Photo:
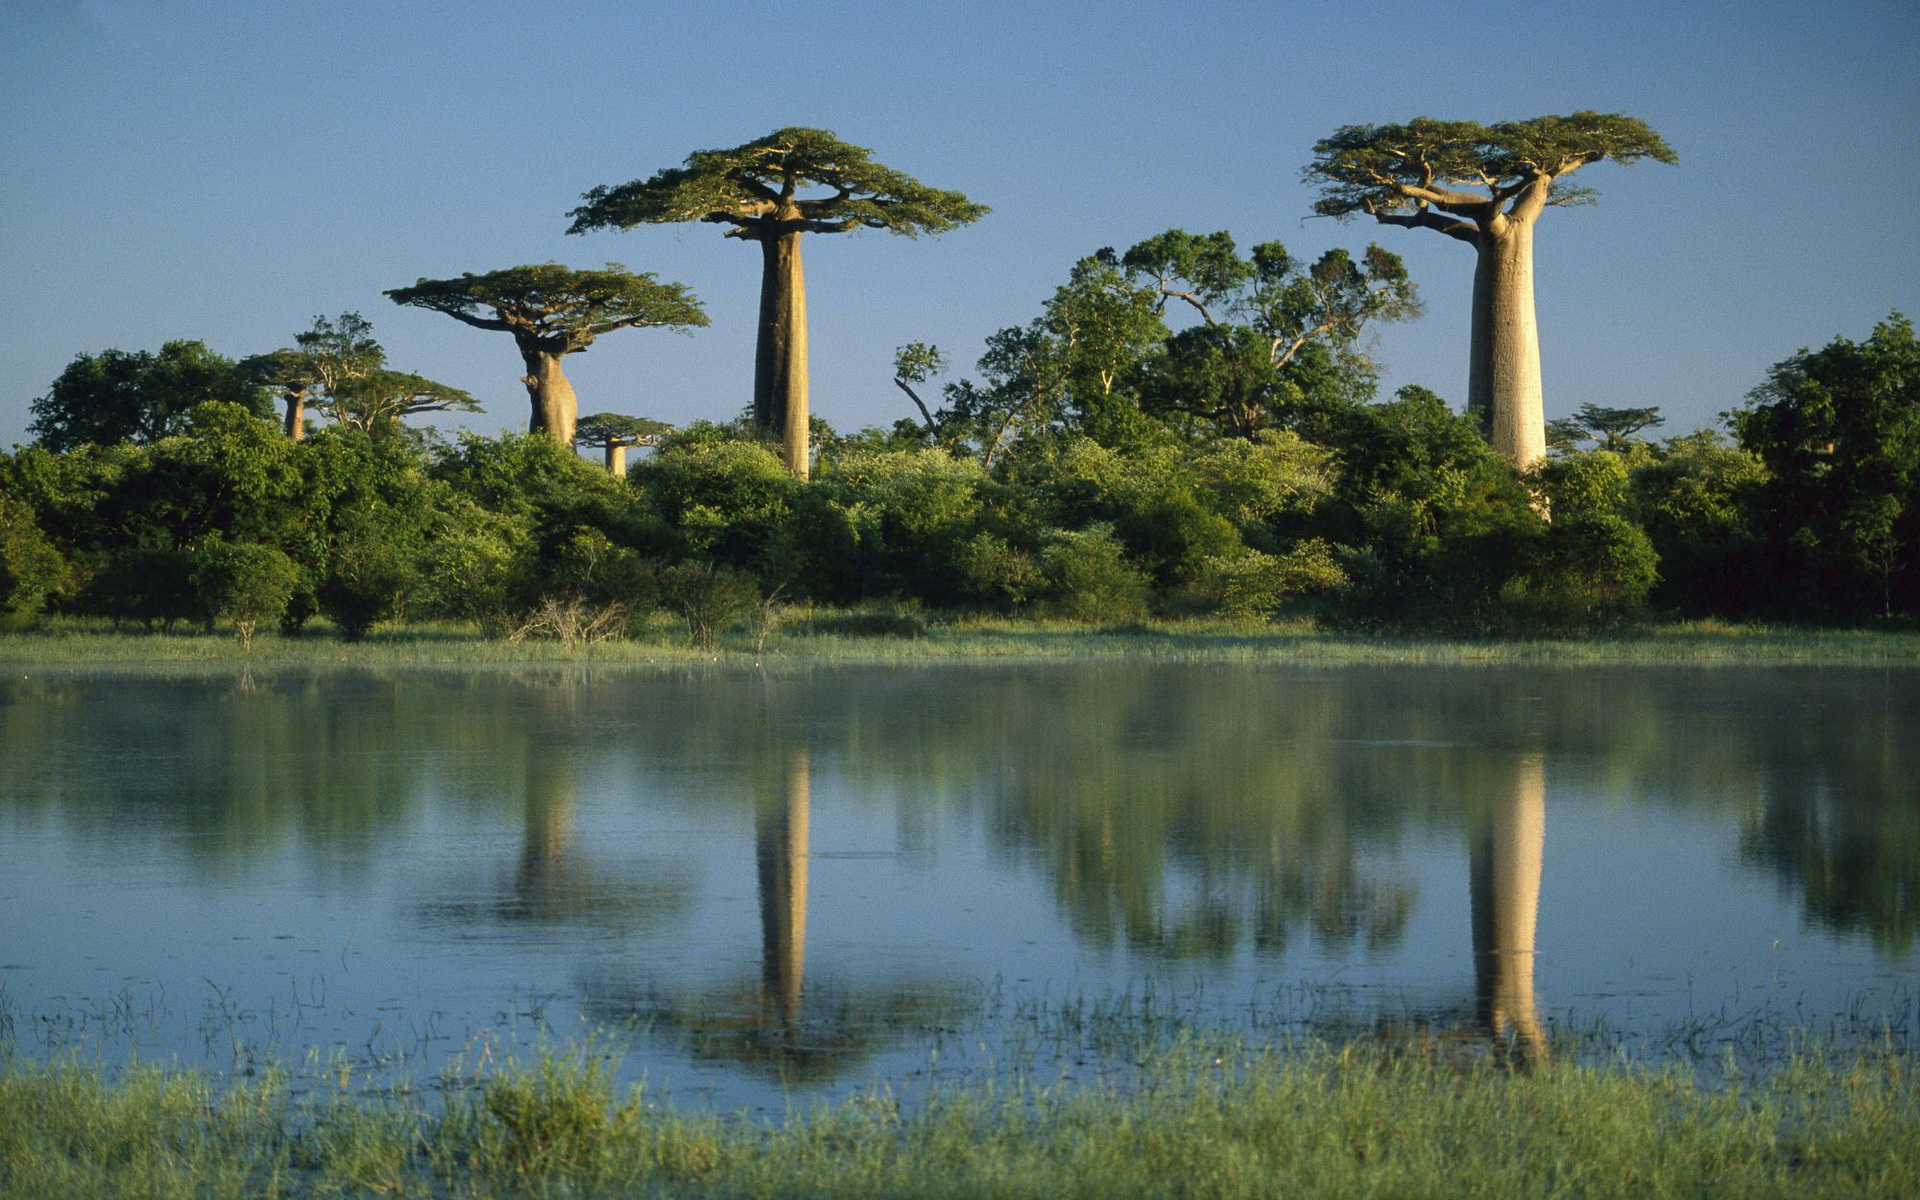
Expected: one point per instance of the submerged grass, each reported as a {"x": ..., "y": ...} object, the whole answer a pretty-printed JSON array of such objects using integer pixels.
[
  {"x": 1362, "y": 1118},
  {"x": 807, "y": 636}
]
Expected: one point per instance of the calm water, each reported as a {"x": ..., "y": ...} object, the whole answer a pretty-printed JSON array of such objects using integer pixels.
[{"x": 799, "y": 884}]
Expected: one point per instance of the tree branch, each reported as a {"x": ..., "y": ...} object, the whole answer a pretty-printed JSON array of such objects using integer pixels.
[{"x": 1465, "y": 231}]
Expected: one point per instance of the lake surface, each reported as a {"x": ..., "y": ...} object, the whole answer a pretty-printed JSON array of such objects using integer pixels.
[{"x": 793, "y": 885}]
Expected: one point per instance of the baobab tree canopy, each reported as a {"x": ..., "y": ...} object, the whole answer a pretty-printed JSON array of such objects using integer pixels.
[
  {"x": 772, "y": 190},
  {"x": 1485, "y": 185},
  {"x": 756, "y": 189},
  {"x": 551, "y": 311}
]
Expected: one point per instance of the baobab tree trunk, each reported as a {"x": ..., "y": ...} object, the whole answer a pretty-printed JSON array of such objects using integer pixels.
[
  {"x": 296, "y": 415},
  {"x": 617, "y": 459},
  {"x": 780, "y": 853},
  {"x": 1504, "y": 877},
  {"x": 780, "y": 357},
  {"x": 555, "y": 410},
  {"x": 1503, "y": 379}
]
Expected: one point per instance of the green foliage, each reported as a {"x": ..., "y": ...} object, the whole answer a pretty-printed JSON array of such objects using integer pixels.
[
  {"x": 1414, "y": 172},
  {"x": 1591, "y": 571},
  {"x": 32, "y": 569},
  {"x": 712, "y": 598},
  {"x": 991, "y": 570},
  {"x": 728, "y": 500},
  {"x": 892, "y": 521},
  {"x": 1839, "y": 432},
  {"x": 1089, "y": 578},
  {"x": 117, "y": 396},
  {"x": 1697, "y": 498},
  {"x": 602, "y": 430},
  {"x": 557, "y": 309},
  {"x": 375, "y": 403},
  {"x": 1608, "y": 428},
  {"x": 151, "y": 586},
  {"x": 745, "y": 186},
  {"x": 247, "y": 583},
  {"x": 1253, "y": 584}
]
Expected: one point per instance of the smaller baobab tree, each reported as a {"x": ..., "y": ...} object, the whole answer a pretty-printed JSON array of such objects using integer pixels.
[
  {"x": 293, "y": 375},
  {"x": 616, "y": 433},
  {"x": 771, "y": 191},
  {"x": 1607, "y": 428},
  {"x": 1486, "y": 186},
  {"x": 553, "y": 311}
]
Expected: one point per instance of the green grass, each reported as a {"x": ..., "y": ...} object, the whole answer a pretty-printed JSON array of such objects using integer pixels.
[
  {"x": 811, "y": 636},
  {"x": 1363, "y": 1119}
]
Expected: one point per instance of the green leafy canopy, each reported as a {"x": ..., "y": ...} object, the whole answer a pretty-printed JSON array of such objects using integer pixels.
[
  {"x": 554, "y": 303},
  {"x": 1382, "y": 169},
  {"x": 758, "y": 188}
]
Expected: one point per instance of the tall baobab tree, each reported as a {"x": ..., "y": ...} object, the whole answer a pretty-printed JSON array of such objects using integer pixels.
[
  {"x": 1424, "y": 175},
  {"x": 553, "y": 311},
  {"x": 761, "y": 192}
]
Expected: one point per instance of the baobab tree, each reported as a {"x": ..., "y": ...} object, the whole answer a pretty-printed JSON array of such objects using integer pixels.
[
  {"x": 553, "y": 311},
  {"x": 1422, "y": 175},
  {"x": 757, "y": 190},
  {"x": 617, "y": 433}
]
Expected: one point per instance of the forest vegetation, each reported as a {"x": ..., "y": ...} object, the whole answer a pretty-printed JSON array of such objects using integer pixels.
[{"x": 1184, "y": 428}]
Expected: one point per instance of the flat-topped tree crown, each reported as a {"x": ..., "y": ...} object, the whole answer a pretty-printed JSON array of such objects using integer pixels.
[
  {"x": 552, "y": 311},
  {"x": 616, "y": 433},
  {"x": 758, "y": 189},
  {"x": 773, "y": 190},
  {"x": 1485, "y": 185}
]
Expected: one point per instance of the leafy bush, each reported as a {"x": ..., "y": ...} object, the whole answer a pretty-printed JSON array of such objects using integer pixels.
[
  {"x": 245, "y": 582},
  {"x": 1252, "y": 584},
  {"x": 711, "y": 597},
  {"x": 32, "y": 570},
  {"x": 1089, "y": 577}
]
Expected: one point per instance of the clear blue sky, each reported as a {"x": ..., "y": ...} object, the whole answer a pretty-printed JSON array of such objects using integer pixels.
[{"x": 226, "y": 171}]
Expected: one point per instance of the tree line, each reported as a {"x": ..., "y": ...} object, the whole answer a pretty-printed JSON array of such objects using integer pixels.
[{"x": 1184, "y": 427}]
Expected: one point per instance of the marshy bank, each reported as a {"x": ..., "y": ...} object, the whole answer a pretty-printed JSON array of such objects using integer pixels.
[{"x": 1195, "y": 1119}]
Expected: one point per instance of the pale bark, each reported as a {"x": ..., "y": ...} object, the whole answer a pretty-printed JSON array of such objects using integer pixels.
[
  {"x": 780, "y": 357},
  {"x": 1516, "y": 413},
  {"x": 1504, "y": 869},
  {"x": 780, "y": 853},
  {"x": 296, "y": 424},
  {"x": 617, "y": 459},
  {"x": 555, "y": 409}
]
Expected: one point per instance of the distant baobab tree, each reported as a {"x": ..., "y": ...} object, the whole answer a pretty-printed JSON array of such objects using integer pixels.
[{"x": 553, "y": 311}]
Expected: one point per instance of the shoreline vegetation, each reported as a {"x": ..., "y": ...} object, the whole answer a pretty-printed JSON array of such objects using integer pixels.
[
  {"x": 1367, "y": 1117},
  {"x": 808, "y": 636}
]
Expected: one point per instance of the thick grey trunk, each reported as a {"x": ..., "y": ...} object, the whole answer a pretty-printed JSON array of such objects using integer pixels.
[
  {"x": 296, "y": 415},
  {"x": 617, "y": 460},
  {"x": 1504, "y": 869},
  {"x": 780, "y": 358},
  {"x": 555, "y": 409},
  {"x": 780, "y": 853},
  {"x": 1504, "y": 375}
]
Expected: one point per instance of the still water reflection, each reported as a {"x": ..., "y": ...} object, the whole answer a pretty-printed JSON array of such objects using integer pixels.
[{"x": 822, "y": 877}]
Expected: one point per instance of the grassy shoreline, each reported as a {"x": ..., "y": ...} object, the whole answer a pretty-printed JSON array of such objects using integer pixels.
[
  {"x": 1321, "y": 1120},
  {"x": 837, "y": 639}
]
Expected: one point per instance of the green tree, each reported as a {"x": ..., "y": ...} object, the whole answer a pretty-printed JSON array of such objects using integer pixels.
[
  {"x": 1259, "y": 316},
  {"x": 375, "y": 402},
  {"x": 296, "y": 376},
  {"x": 759, "y": 191},
  {"x": 118, "y": 396},
  {"x": 245, "y": 582},
  {"x": 1607, "y": 428},
  {"x": 1839, "y": 431},
  {"x": 615, "y": 434},
  {"x": 553, "y": 311},
  {"x": 32, "y": 569},
  {"x": 1421, "y": 175},
  {"x": 1698, "y": 499}
]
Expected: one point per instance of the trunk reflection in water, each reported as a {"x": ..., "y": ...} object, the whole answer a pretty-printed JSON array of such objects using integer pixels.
[
  {"x": 1506, "y": 905},
  {"x": 774, "y": 1027}
]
